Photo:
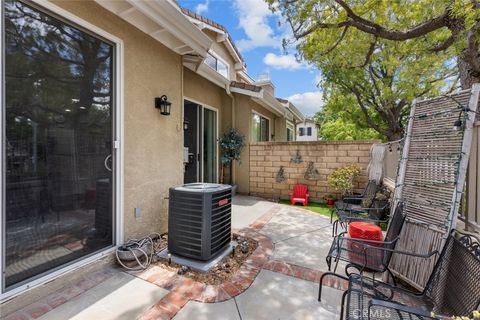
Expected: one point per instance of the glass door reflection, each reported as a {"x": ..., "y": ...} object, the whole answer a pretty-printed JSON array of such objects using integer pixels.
[{"x": 58, "y": 137}]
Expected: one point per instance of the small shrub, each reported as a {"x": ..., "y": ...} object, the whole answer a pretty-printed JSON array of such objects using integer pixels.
[
  {"x": 231, "y": 144},
  {"x": 342, "y": 179}
]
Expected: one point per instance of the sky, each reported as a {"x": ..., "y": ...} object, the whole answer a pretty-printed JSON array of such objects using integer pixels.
[{"x": 258, "y": 34}]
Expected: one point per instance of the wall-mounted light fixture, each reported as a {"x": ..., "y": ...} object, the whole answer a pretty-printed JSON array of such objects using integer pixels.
[
  {"x": 163, "y": 104},
  {"x": 185, "y": 125}
]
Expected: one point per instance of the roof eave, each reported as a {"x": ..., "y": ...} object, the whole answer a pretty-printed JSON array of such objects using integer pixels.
[
  {"x": 250, "y": 93},
  {"x": 164, "y": 21}
]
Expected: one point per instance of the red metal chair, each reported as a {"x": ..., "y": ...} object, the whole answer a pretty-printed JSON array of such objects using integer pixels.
[{"x": 299, "y": 195}]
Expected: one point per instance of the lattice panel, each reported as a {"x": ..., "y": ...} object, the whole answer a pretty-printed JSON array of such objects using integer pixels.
[
  {"x": 433, "y": 161},
  {"x": 431, "y": 178}
]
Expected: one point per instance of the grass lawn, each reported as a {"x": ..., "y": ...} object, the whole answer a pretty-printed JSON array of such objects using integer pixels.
[{"x": 316, "y": 207}]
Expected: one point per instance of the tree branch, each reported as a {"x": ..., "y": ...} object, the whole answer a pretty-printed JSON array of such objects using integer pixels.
[
  {"x": 395, "y": 35},
  {"x": 342, "y": 36}
]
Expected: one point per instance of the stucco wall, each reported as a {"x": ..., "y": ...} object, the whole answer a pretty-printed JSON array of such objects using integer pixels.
[
  {"x": 267, "y": 157},
  {"x": 152, "y": 142},
  {"x": 244, "y": 106},
  {"x": 220, "y": 49},
  {"x": 205, "y": 92}
]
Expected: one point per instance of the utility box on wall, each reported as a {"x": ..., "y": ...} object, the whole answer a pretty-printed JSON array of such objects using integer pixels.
[{"x": 199, "y": 220}]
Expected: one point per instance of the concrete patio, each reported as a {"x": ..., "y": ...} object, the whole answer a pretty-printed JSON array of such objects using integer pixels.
[{"x": 285, "y": 286}]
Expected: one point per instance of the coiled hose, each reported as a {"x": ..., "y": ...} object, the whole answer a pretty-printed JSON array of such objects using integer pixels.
[{"x": 141, "y": 251}]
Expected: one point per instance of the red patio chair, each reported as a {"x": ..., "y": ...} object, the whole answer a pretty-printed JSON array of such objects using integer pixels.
[{"x": 299, "y": 194}]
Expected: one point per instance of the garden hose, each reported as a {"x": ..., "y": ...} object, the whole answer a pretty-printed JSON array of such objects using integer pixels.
[{"x": 141, "y": 251}]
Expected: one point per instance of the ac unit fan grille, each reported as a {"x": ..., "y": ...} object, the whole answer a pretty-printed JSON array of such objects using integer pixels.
[{"x": 199, "y": 221}]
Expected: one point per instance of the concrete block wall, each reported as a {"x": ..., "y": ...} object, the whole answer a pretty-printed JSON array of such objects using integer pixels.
[{"x": 266, "y": 158}]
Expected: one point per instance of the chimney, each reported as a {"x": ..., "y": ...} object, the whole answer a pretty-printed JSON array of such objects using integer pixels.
[{"x": 265, "y": 82}]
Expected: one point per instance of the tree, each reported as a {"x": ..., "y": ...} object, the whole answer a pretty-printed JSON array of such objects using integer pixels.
[
  {"x": 231, "y": 144},
  {"x": 378, "y": 93},
  {"x": 427, "y": 26},
  {"x": 339, "y": 120}
]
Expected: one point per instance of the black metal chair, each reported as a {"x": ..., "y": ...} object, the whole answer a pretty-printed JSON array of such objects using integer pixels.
[
  {"x": 355, "y": 200},
  {"x": 376, "y": 213},
  {"x": 365, "y": 254},
  {"x": 453, "y": 288}
]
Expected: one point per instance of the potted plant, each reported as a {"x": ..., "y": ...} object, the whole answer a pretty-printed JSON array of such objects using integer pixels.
[
  {"x": 231, "y": 144},
  {"x": 342, "y": 179},
  {"x": 330, "y": 200}
]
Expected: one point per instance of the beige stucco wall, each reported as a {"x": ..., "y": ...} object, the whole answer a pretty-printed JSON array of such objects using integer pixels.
[
  {"x": 152, "y": 143},
  {"x": 202, "y": 91},
  {"x": 220, "y": 50},
  {"x": 244, "y": 106}
]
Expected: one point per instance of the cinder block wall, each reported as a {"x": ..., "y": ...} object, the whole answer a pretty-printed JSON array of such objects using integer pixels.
[{"x": 266, "y": 158}]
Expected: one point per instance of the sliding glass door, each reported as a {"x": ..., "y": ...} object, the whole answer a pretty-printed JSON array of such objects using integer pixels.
[
  {"x": 58, "y": 128},
  {"x": 209, "y": 145},
  {"x": 200, "y": 141}
]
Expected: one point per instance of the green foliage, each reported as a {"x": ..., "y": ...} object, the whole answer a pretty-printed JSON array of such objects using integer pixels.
[
  {"x": 369, "y": 78},
  {"x": 341, "y": 179},
  {"x": 231, "y": 144},
  {"x": 327, "y": 20},
  {"x": 340, "y": 125},
  {"x": 373, "y": 101}
]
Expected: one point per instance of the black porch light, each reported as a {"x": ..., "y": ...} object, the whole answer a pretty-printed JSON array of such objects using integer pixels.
[
  {"x": 163, "y": 104},
  {"x": 457, "y": 125}
]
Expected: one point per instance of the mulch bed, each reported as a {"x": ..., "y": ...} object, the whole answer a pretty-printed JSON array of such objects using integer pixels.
[{"x": 221, "y": 272}]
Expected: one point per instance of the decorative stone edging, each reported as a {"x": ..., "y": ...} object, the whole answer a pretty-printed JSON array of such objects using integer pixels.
[{"x": 183, "y": 289}]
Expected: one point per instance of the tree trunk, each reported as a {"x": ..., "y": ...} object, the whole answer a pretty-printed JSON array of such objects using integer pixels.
[
  {"x": 468, "y": 76},
  {"x": 394, "y": 136}
]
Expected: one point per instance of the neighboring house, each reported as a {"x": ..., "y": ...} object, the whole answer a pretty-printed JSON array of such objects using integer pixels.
[
  {"x": 307, "y": 130},
  {"x": 88, "y": 158},
  {"x": 293, "y": 117}
]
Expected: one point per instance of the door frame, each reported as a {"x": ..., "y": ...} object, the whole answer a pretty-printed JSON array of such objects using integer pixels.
[
  {"x": 117, "y": 153},
  {"x": 200, "y": 146}
]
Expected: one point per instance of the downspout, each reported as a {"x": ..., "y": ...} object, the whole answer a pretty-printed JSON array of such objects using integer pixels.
[
  {"x": 182, "y": 119},
  {"x": 229, "y": 93},
  {"x": 274, "y": 127}
]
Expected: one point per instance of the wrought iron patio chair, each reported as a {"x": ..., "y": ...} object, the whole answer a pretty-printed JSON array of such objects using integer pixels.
[
  {"x": 453, "y": 288},
  {"x": 376, "y": 258},
  {"x": 357, "y": 200},
  {"x": 376, "y": 213}
]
